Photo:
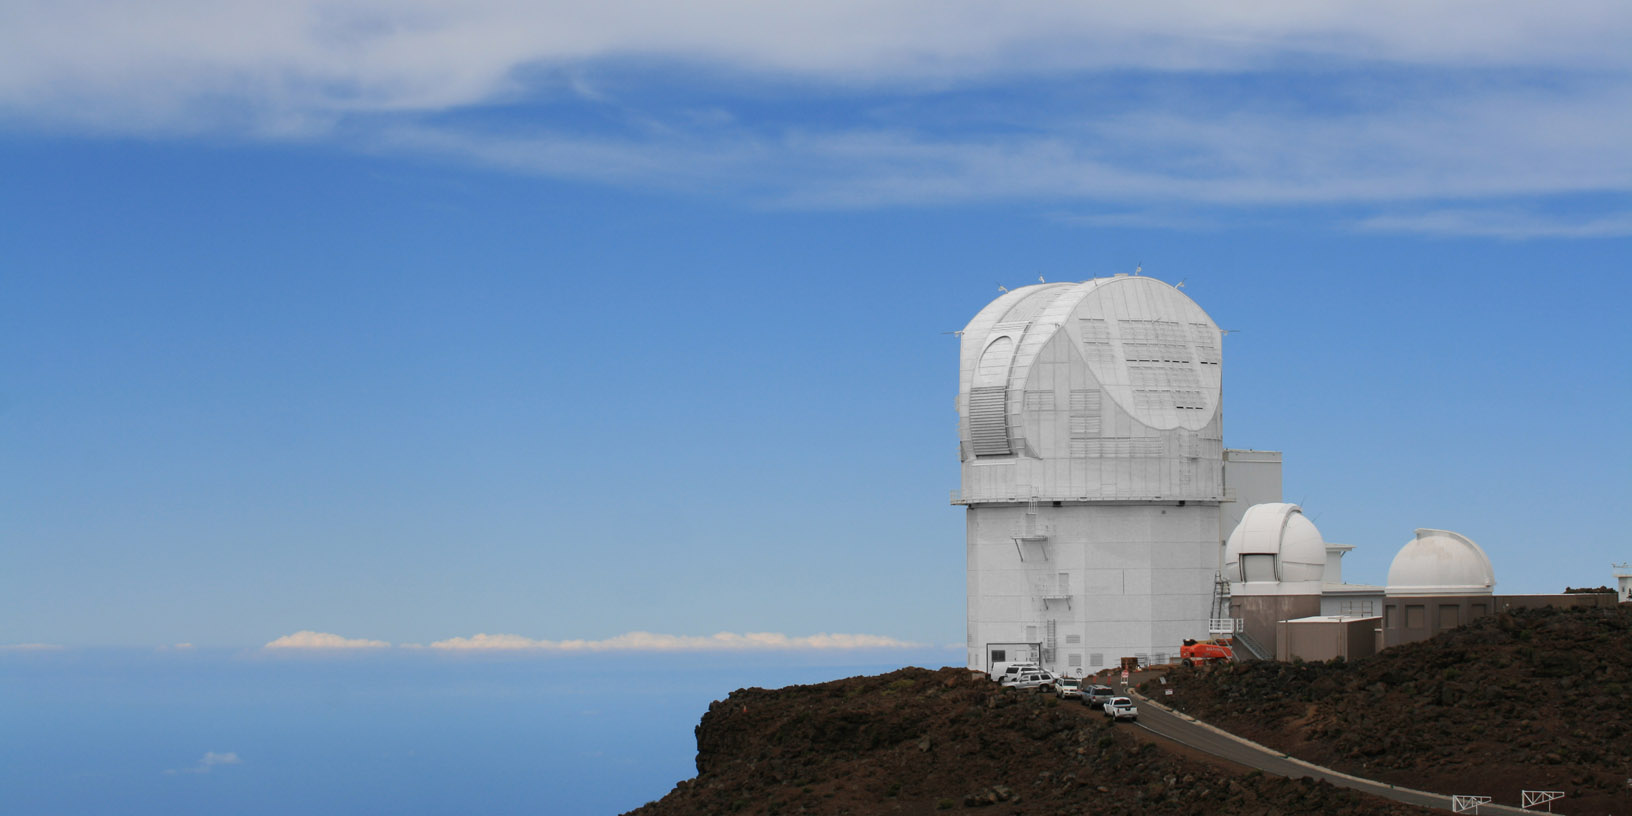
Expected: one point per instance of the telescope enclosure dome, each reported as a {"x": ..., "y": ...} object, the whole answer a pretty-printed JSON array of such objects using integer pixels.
[
  {"x": 1106, "y": 389},
  {"x": 1440, "y": 562},
  {"x": 1275, "y": 550}
]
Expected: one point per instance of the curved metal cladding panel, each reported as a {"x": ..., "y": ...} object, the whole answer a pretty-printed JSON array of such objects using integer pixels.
[
  {"x": 988, "y": 399},
  {"x": 984, "y": 371},
  {"x": 1153, "y": 350},
  {"x": 1110, "y": 389}
]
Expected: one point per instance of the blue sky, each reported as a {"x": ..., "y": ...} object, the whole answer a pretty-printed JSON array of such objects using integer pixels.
[{"x": 409, "y": 323}]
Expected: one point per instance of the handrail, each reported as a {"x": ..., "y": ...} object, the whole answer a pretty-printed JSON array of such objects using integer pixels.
[{"x": 1254, "y": 647}]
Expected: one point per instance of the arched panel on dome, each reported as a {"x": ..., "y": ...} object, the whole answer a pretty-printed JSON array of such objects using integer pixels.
[
  {"x": 988, "y": 400},
  {"x": 1155, "y": 350}
]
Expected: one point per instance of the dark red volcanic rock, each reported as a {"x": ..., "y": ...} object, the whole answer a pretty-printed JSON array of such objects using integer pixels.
[
  {"x": 917, "y": 742},
  {"x": 1532, "y": 699}
]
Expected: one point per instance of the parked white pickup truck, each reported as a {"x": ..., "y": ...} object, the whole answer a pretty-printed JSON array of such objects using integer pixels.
[{"x": 1121, "y": 708}]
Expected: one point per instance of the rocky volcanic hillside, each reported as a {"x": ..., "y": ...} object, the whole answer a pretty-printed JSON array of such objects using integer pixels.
[
  {"x": 1530, "y": 699},
  {"x": 917, "y": 742}
]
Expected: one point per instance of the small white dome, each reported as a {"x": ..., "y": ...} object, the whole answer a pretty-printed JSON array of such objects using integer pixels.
[
  {"x": 1275, "y": 551},
  {"x": 1440, "y": 562}
]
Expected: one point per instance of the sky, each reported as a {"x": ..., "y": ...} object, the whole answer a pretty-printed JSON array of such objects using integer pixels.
[{"x": 626, "y": 326}]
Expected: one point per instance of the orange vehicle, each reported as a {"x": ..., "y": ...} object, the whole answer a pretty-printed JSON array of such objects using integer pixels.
[{"x": 1206, "y": 651}]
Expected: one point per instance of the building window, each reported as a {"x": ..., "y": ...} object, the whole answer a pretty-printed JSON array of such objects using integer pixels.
[
  {"x": 1096, "y": 659},
  {"x": 998, "y": 655},
  {"x": 1074, "y": 660},
  {"x": 1073, "y": 640},
  {"x": 1414, "y": 616}
]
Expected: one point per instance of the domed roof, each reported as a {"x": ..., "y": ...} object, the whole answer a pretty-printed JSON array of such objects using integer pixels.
[
  {"x": 1440, "y": 562},
  {"x": 1275, "y": 551},
  {"x": 1139, "y": 336}
]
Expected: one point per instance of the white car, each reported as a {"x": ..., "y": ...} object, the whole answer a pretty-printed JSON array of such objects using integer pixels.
[
  {"x": 1068, "y": 688},
  {"x": 1121, "y": 708}
]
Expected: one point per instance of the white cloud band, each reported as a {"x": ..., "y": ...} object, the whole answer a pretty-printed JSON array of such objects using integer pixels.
[
  {"x": 308, "y": 639},
  {"x": 651, "y": 642},
  {"x": 627, "y": 642}
]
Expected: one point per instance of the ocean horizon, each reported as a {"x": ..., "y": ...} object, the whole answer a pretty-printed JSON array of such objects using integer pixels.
[{"x": 209, "y": 731}]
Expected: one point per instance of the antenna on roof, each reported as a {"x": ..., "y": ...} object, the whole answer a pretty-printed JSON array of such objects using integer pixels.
[
  {"x": 1002, "y": 288},
  {"x": 1180, "y": 284},
  {"x": 1040, "y": 279},
  {"x": 1138, "y": 267}
]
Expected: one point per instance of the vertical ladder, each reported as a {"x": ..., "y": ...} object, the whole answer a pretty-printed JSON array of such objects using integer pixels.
[{"x": 1221, "y": 596}]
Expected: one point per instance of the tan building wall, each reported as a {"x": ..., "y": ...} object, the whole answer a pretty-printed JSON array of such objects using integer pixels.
[
  {"x": 1410, "y": 619},
  {"x": 1262, "y": 614},
  {"x": 1326, "y": 638}
]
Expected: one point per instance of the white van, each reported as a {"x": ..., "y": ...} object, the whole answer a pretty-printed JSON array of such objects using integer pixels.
[{"x": 1008, "y": 672}]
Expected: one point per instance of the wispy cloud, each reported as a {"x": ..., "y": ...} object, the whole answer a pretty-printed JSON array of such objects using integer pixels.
[
  {"x": 163, "y": 59},
  {"x": 210, "y": 761},
  {"x": 1508, "y": 224},
  {"x": 1130, "y": 109},
  {"x": 1141, "y": 163},
  {"x": 650, "y": 642},
  {"x": 307, "y": 639},
  {"x": 31, "y": 647}
]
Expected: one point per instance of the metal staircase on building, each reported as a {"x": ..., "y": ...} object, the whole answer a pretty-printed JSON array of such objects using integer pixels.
[
  {"x": 1254, "y": 648},
  {"x": 1031, "y": 535}
]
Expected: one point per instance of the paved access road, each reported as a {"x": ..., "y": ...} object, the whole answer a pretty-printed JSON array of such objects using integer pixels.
[{"x": 1166, "y": 723}]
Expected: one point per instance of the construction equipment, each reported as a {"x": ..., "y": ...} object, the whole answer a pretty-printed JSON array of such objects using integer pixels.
[{"x": 1217, "y": 650}]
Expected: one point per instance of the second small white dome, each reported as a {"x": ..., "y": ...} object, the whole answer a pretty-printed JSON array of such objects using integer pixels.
[{"x": 1275, "y": 550}]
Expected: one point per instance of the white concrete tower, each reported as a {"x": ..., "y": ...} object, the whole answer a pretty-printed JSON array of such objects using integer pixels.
[{"x": 1091, "y": 429}]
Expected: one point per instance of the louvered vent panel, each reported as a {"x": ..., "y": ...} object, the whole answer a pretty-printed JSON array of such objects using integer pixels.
[
  {"x": 988, "y": 427},
  {"x": 1084, "y": 400},
  {"x": 1039, "y": 400},
  {"x": 1084, "y": 426}
]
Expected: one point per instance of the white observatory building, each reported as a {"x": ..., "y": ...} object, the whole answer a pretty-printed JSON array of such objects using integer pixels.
[
  {"x": 1275, "y": 561},
  {"x": 1091, "y": 430}
]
